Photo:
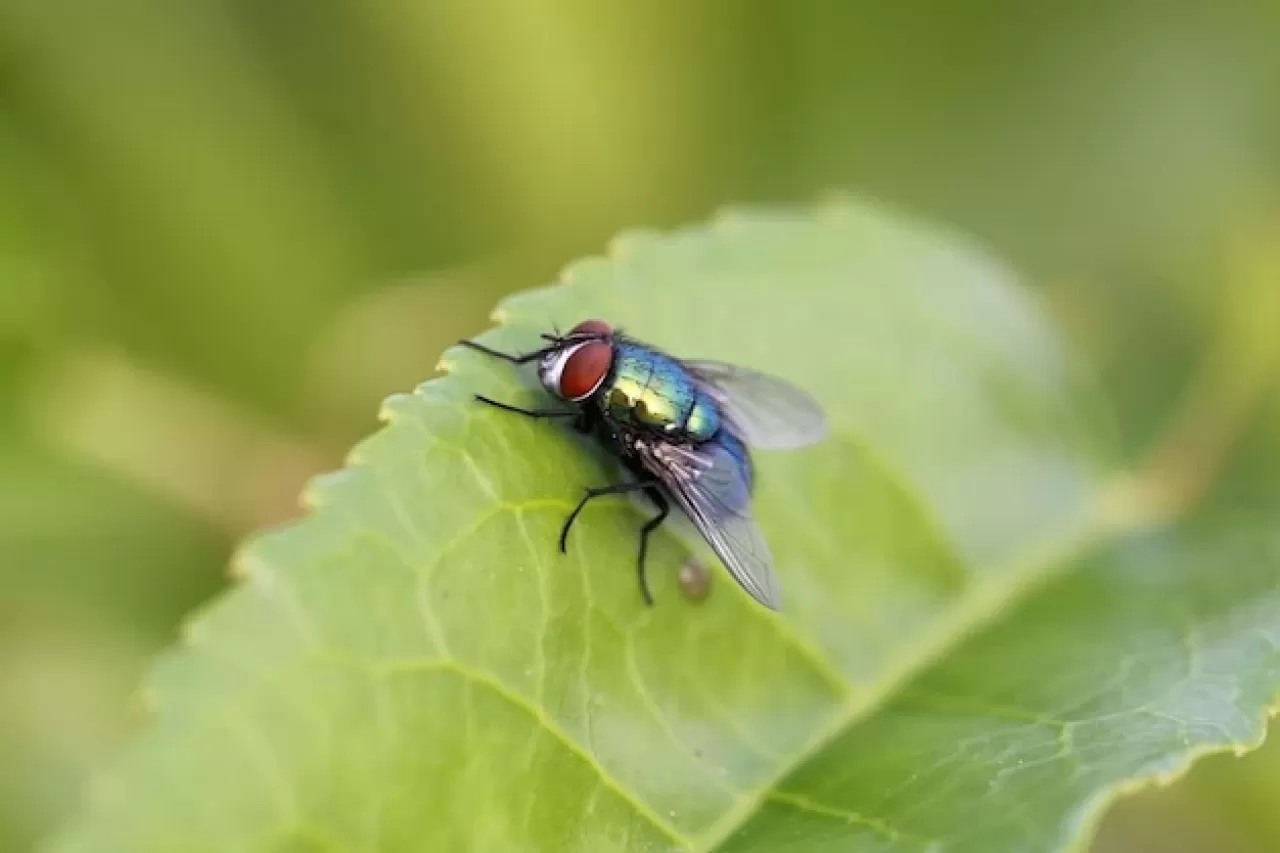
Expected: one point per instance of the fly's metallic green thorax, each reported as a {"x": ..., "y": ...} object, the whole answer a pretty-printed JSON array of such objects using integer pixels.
[{"x": 654, "y": 392}]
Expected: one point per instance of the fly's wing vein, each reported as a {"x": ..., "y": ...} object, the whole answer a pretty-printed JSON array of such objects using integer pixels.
[
  {"x": 768, "y": 412},
  {"x": 710, "y": 484}
]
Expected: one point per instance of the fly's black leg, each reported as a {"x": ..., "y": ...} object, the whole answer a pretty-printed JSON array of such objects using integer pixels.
[
  {"x": 616, "y": 489},
  {"x": 649, "y": 526},
  {"x": 529, "y": 413},
  {"x": 506, "y": 356}
]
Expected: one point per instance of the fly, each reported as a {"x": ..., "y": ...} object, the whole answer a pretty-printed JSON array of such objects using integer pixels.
[{"x": 681, "y": 428}]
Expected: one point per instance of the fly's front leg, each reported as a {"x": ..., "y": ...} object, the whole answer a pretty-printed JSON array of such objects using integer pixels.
[
  {"x": 510, "y": 358},
  {"x": 528, "y": 413},
  {"x": 518, "y": 359}
]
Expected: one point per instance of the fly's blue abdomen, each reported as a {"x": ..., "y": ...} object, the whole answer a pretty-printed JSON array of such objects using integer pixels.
[
  {"x": 736, "y": 448},
  {"x": 704, "y": 418},
  {"x": 653, "y": 391}
]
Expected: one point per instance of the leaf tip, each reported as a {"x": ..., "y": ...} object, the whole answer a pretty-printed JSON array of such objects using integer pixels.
[
  {"x": 245, "y": 566},
  {"x": 626, "y": 243},
  {"x": 237, "y": 570},
  {"x": 190, "y": 634},
  {"x": 315, "y": 493},
  {"x": 394, "y": 410},
  {"x": 309, "y": 499},
  {"x": 581, "y": 268}
]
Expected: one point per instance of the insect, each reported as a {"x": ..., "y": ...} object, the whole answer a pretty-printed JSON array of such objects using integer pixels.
[{"x": 681, "y": 429}]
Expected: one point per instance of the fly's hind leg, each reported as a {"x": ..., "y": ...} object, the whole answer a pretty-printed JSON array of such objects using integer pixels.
[
  {"x": 660, "y": 501},
  {"x": 592, "y": 494}
]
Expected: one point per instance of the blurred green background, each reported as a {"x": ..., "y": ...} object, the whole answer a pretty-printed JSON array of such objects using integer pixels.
[{"x": 229, "y": 228}]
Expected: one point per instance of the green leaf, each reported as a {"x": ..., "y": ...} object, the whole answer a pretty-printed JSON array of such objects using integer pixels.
[{"x": 971, "y": 658}]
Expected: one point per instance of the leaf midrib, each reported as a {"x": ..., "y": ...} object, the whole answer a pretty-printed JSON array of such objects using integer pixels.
[{"x": 976, "y": 607}]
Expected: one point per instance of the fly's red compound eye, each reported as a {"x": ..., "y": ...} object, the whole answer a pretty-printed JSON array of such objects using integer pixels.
[
  {"x": 594, "y": 328},
  {"x": 585, "y": 369}
]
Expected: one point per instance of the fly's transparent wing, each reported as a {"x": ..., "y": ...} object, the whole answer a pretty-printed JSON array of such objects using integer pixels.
[
  {"x": 712, "y": 486},
  {"x": 768, "y": 412}
]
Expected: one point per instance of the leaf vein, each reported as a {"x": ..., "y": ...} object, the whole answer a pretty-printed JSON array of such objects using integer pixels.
[
  {"x": 546, "y": 721},
  {"x": 879, "y": 827}
]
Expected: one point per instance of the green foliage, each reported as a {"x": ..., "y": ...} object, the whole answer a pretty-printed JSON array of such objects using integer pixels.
[{"x": 978, "y": 649}]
